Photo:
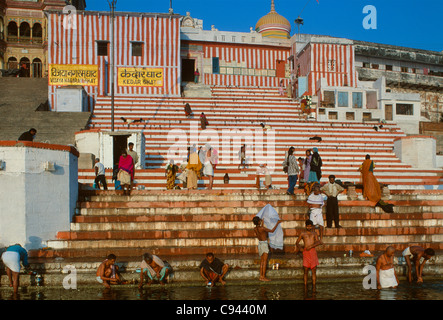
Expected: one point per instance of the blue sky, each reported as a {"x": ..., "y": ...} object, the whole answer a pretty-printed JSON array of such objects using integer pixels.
[{"x": 409, "y": 23}]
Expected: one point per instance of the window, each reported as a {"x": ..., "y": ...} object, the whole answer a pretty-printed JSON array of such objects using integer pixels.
[
  {"x": 389, "y": 67},
  {"x": 216, "y": 65},
  {"x": 375, "y": 66},
  {"x": 137, "y": 48},
  {"x": 357, "y": 100},
  {"x": 333, "y": 115},
  {"x": 404, "y": 69},
  {"x": 367, "y": 116},
  {"x": 366, "y": 65},
  {"x": 405, "y": 109},
  {"x": 328, "y": 99},
  {"x": 343, "y": 100},
  {"x": 371, "y": 100},
  {"x": 102, "y": 48},
  {"x": 331, "y": 65},
  {"x": 350, "y": 116}
]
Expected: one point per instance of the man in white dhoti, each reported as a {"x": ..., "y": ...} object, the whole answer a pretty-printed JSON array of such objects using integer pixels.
[
  {"x": 386, "y": 275},
  {"x": 316, "y": 201},
  {"x": 11, "y": 259}
]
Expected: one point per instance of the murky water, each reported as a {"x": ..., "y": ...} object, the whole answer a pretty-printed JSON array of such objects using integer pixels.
[{"x": 430, "y": 290}]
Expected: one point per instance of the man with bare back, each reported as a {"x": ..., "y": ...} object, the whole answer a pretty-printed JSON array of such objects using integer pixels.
[
  {"x": 263, "y": 247},
  {"x": 310, "y": 259},
  {"x": 414, "y": 254}
]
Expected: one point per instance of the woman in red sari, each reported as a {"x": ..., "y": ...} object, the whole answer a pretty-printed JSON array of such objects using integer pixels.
[
  {"x": 371, "y": 187},
  {"x": 126, "y": 172}
]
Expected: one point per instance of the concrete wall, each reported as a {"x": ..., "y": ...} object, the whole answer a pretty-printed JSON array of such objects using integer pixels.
[
  {"x": 36, "y": 203},
  {"x": 417, "y": 151},
  {"x": 100, "y": 145}
]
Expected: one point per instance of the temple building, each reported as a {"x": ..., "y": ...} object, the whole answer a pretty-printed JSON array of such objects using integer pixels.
[
  {"x": 274, "y": 25},
  {"x": 23, "y": 34},
  {"x": 158, "y": 54}
]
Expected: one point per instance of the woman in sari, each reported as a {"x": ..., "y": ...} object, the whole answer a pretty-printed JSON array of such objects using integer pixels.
[
  {"x": 307, "y": 166},
  {"x": 125, "y": 172},
  {"x": 208, "y": 169},
  {"x": 194, "y": 167},
  {"x": 371, "y": 187},
  {"x": 203, "y": 121},
  {"x": 171, "y": 174},
  {"x": 316, "y": 164}
]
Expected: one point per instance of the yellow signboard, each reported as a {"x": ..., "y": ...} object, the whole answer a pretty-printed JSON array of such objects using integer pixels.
[
  {"x": 73, "y": 74},
  {"x": 140, "y": 77}
]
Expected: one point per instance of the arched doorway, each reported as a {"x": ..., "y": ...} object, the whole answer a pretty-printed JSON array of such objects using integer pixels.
[
  {"x": 12, "y": 31},
  {"x": 25, "y": 32},
  {"x": 12, "y": 63},
  {"x": 25, "y": 68},
  {"x": 37, "y": 33},
  {"x": 37, "y": 68},
  {"x": 2, "y": 29}
]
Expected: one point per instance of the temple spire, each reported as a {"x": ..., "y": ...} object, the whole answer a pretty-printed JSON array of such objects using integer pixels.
[{"x": 272, "y": 6}]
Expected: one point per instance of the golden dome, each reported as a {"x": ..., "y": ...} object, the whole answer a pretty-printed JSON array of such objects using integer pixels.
[{"x": 273, "y": 25}]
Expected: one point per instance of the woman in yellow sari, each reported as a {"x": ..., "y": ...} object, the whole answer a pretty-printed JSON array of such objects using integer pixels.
[
  {"x": 171, "y": 174},
  {"x": 194, "y": 167},
  {"x": 371, "y": 187}
]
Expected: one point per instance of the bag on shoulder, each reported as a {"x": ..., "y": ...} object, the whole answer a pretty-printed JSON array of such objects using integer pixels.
[{"x": 286, "y": 166}]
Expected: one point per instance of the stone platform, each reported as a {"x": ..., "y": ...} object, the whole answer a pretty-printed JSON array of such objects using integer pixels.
[
  {"x": 244, "y": 269},
  {"x": 181, "y": 226}
]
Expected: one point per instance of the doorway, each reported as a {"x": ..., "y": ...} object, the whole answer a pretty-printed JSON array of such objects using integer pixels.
[
  {"x": 388, "y": 112},
  {"x": 188, "y": 68},
  {"x": 120, "y": 143},
  {"x": 281, "y": 69}
]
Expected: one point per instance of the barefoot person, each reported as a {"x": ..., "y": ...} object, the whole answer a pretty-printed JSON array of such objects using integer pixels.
[
  {"x": 213, "y": 270},
  {"x": 107, "y": 272},
  {"x": 415, "y": 253},
  {"x": 316, "y": 202},
  {"x": 154, "y": 268},
  {"x": 310, "y": 259},
  {"x": 386, "y": 275},
  {"x": 263, "y": 247},
  {"x": 11, "y": 259}
]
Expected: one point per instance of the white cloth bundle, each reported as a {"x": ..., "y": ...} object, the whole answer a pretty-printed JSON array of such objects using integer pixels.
[
  {"x": 270, "y": 218},
  {"x": 11, "y": 259}
]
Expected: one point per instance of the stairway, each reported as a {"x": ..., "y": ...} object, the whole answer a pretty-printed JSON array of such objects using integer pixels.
[
  {"x": 233, "y": 109},
  {"x": 21, "y": 98},
  {"x": 189, "y": 223}
]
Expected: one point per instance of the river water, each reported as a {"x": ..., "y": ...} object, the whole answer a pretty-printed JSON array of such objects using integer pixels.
[{"x": 429, "y": 290}]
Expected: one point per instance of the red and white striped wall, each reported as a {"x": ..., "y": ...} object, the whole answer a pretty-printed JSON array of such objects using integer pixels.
[
  {"x": 315, "y": 62},
  {"x": 160, "y": 34},
  {"x": 245, "y": 56}
]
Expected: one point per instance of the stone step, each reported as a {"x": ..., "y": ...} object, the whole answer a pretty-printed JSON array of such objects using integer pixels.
[
  {"x": 242, "y": 268},
  {"x": 89, "y": 249}
]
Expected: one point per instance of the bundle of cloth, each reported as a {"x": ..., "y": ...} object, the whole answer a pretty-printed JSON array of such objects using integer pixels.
[{"x": 270, "y": 217}]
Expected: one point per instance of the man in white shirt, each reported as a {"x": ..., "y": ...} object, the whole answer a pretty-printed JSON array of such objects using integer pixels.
[
  {"x": 332, "y": 190},
  {"x": 315, "y": 203},
  {"x": 100, "y": 174},
  {"x": 132, "y": 153}
]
